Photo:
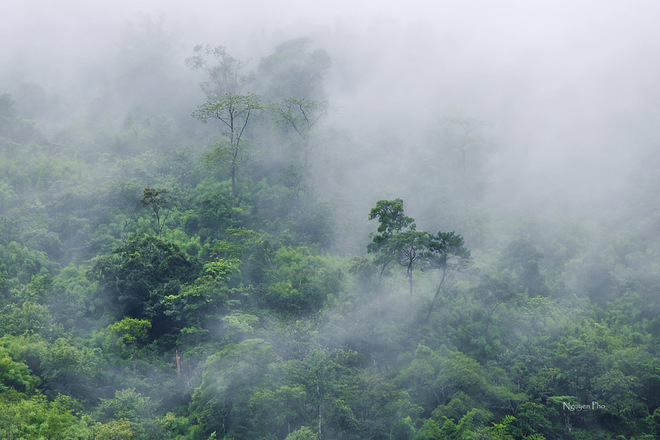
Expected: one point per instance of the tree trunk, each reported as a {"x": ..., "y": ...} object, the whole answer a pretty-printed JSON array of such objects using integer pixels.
[
  {"x": 233, "y": 182},
  {"x": 380, "y": 278},
  {"x": 437, "y": 293},
  {"x": 410, "y": 282}
]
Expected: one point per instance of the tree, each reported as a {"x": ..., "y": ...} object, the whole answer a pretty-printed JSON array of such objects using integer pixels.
[
  {"x": 234, "y": 112},
  {"x": 301, "y": 115},
  {"x": 280, "y": 410},
  {"x": 70, "y": 370},
  {"x": 36, "y": 417},
  {"x": 493, "y": 292},
  {"x": 229, "y": 379},
  {"x": 409, "y": 248},
  {"x": 444, "y": 252},
  {"x": 15, "y": 375},
  {"x": 224, "y": 73},
  {"x": 302, "y": 433},
  {"x": 226, "y": 102},
  {"x": 294, "y": 70},
  {"x": 156, "y": 199},
  {"x": 131, "y": 332},
  {"x": 140, "y": 273},
  {"x": 522, "y": 258},
  {"x": 206, "y": 298},
  {"x": 327, "y": 378},
  {"x": 399, "y": 240},
  {"x": 299, "y": 282},
  {"x": 391, "y": 221}
]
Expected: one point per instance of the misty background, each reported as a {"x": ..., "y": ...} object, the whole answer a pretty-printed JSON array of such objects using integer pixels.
[{"x": 565, "y": 94}]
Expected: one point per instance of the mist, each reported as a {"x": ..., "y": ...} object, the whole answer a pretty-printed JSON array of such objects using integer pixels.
[{"x": 567, "y": 90}]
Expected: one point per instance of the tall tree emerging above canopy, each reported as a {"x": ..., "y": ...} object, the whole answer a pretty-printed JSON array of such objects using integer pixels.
[
  {"x": 445, "y": 251},
  {"x": 391, "y": 218},
  {"x": 301, "y": 115},
  {"x": 391, "y": 221},
  {"x": 409, "y": 248},
  {"x": 399, "y": 241},
  {"x": 234, "y": 112},
  {"x": 227, "y": 103}
]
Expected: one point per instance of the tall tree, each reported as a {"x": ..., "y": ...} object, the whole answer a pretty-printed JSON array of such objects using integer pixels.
[
  {"x": 156, "y": 199},
  {"x": 392, "y": 220},
  {"x": 409, "y": 248},
  {"x": 445, "y": 251},
  {"x": 234, "y": 112},
  {"x": 227, "y": 102},
  {"x": 301, "y": 115}
]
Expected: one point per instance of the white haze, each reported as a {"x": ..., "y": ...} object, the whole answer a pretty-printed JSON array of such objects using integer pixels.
[{"x": 569, "y": 89}]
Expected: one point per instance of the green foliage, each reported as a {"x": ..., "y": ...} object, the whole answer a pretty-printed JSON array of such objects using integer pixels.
[
  {"x": 28, "y": 319},
  {"x": 199, "y": 304},
  {"x": 67, "y": 369},
  {"x": 131, "y": 331},
  {"x": 400, "y": 242},
  {"x": 36, "y": 417},
  {"x": 70, "y": 297},
  {"x": 139, "y": 274},
  {"x": 114, "y": 430},
  {"x": 302, "y": 433},
  {"x": 126, "y": 405},
  {"x": 233, "y": 111},
  {"x": 15, "y": 375},
  {"x": 299, "y": 282},
  {"x": 156, "y": 200},
  {"x": 229, "y": 378},
  {"x": 22, "y": 263},
  {"x": 391, "y": 220}
]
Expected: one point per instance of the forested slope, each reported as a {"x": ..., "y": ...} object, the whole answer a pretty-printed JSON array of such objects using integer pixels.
[{"x": 223, "y": 270}]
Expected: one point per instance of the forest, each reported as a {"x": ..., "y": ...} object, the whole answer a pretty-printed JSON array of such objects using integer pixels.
[{"x": 209, "y": 242}]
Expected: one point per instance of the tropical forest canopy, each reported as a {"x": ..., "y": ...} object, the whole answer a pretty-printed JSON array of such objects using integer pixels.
[{"x": 198, "y": 245}]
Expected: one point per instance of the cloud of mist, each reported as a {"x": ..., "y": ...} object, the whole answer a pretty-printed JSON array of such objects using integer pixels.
[{"x": 568, "y": 88}]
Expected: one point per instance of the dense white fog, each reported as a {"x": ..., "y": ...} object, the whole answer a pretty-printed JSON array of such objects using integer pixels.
[{"x": 566, "y": 92}]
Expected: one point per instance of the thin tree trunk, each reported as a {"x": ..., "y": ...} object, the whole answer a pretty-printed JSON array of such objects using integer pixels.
[
  {"x": 437, "y": 293},
  {"x": 380, "y": 279},
  {"x": 178, "y": 363},
  {"x": 410, "y": 282},
  {"x": 233, "y": 181}
]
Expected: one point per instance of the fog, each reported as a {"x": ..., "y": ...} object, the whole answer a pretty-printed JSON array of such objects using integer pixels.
[{"x": 565, "y": 93}]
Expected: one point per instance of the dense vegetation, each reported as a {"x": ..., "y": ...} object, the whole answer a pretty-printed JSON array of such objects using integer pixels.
[{"x": 183, "y": 273}]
